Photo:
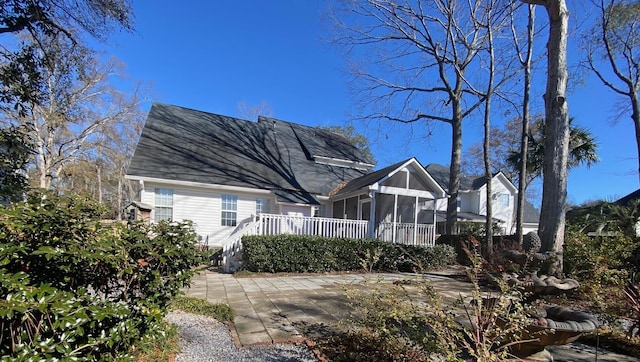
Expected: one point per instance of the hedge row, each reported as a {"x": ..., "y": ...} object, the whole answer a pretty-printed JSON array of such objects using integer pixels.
[{"x": 302, "y": 253}]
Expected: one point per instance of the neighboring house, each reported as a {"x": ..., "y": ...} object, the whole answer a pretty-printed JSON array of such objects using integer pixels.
[
  {"x": 472, "y": 201},
  {"x": 598, "y": 217},
  {"x": 232, "y": 177}
]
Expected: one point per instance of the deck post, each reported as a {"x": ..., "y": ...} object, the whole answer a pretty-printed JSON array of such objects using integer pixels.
[
  {"x": 415, "y": 221},
  {"x": 372, "y": 216},
  {"x": 395, "y": 217},
  {"x": 433, "y": 234}
]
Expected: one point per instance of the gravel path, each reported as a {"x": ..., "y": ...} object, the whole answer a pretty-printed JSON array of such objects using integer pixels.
[{"x": 204, "y": 339}]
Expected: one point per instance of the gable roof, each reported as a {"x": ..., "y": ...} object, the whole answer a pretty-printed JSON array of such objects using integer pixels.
[
  {"x": 440, "y": 173},
  {"x": 381, "y": 174},
  {"x": 467, "y": 182},
  {"x": 193, "y": 146},
  {"x": 625, "y": 200}
]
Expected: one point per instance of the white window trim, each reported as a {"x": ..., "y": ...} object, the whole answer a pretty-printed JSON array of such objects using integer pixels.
[
  {"x": 223, "y": 210},
  {"x": 158, "y": 194}
]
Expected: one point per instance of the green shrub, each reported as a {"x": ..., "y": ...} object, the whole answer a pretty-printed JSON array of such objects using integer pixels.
[
  {"x": 598, "y": 260},
  {"x": 71, "y": 287},
  {"x": 410, "y": 322},
  {"x": 302, "y": 253}
]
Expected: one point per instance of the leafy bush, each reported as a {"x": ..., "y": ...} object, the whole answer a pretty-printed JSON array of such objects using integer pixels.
[
  {"x": 71, "y": 287},
  {"x": 598, "y": 260},
  {"x": 410, "y": 322},
  {"x": 302, "y": 253}
]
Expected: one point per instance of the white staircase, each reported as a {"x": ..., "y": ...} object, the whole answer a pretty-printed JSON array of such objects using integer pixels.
[{"x": 232, "y": 245}]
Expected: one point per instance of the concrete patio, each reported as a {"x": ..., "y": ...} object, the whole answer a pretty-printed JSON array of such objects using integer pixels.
[{"x": 272, "y": 309}]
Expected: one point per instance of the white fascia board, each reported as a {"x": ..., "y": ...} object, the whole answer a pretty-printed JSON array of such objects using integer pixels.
[
  {"x": 400, "y": 168},
  {"x": 341, "y": 163},
  {"x": 198, "y": 184},
  {"x": 294, "y": 204},
  {"x": 406, "y": 192},
  {"x": 439, "y": 191}
]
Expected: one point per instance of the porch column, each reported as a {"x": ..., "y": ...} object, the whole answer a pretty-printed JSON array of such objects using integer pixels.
[
  {"x": 344, "y": 209},
  {"x": 433, "y": 235},
  {"x": 372, "y": 216},
  {"x": 395, "y": 217},
  {"x": 415, "y": 221}
]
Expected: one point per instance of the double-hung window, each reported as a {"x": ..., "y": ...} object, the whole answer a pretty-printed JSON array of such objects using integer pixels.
[
  {"x": 262, "y": 206},
  {"x": 163, "y": 205},
  {"x": 504, "y": 199},
  {"x": 229, "y": 209}
]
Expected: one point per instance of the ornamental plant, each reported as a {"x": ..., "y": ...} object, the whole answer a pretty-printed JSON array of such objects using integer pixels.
[{"x": 73, "y": 288}]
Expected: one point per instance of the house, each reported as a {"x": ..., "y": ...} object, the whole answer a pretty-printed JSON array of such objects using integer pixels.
[
  {"x": 232, "y": 177},
  {"x": 220, "y": 172},
  {"x": 602, "y": 218},
  {"x": 472, "y": 201}
]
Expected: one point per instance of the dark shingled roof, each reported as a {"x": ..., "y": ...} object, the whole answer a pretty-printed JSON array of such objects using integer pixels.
[
  {"x": 194, "y": 146},
  {"x": 624, "y": 201},
  {"x": 441, "y": 174},
  {"x": 369, "y": 179},
  {"x": 467, "y": 183}
]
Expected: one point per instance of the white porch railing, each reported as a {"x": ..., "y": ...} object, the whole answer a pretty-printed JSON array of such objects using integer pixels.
[
  {"x": 406, "y": 234},
  {"x": 271, "y": 224}
]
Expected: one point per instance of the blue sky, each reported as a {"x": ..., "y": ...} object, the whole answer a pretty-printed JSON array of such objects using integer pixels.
[{"x": 214, "y": 55}]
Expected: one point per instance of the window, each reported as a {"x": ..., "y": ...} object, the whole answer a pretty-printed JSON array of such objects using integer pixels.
[
  {"x": 164, "y": 205},
  {"x": 229, "y": 210},
  {"x": 504, "y": 199},
  {"x": 262, "y": 206}
]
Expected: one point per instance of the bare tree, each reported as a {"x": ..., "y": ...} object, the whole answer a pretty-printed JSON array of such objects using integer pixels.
[
  {"x": 525, "y": 61},
  {"x": 554, "y": 184},
  {"x": 616, "y": 40},
  {"x": 418, "y": 59},
  {"x": 251, "y": 112},
  {"x": 80, "y": 111}
]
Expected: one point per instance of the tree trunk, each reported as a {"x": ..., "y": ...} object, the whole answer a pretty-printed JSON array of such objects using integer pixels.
[
  {"x": 635, "y": 106},
  {"x": 487, "y": 144},
  {"x": 524, "y": 142},
  {"x": 454, "y": 168},
  {"x": 554, "y": 192}
]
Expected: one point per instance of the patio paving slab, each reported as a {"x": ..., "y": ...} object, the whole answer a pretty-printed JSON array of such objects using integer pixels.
[{"x": 272, "y": 309}]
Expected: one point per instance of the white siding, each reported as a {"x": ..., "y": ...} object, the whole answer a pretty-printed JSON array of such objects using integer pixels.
[
  {"x": 203, "y": 207},
  {"x": 199, "y": 206},
  {"x": 504, "y": 213}
]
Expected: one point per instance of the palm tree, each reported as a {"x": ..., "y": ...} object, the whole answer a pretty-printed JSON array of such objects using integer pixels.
[{"x": 583, "y": 149}]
